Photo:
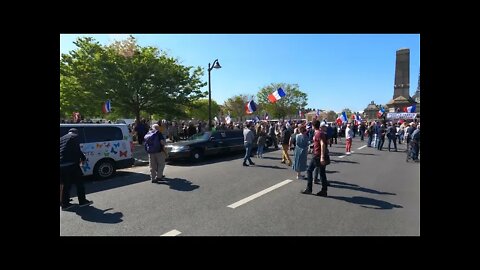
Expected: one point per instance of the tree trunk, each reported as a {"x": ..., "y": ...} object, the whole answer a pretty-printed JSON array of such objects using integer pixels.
[{"x": 137, "y": 115}]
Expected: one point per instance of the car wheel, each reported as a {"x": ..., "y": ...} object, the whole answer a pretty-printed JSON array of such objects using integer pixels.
[
  {"x": 104, "y": 169},
  {"x": 197, "y": 155}
]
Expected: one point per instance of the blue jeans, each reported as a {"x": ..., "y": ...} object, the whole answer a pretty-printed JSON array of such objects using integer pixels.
[
  {"x": 381, "y": 140},
  {"x": 394, "y": 139},
  {"x": 323, "y": 175},
  {"x": 415, "y": 149},
  {"x": 370, "y": 138},
  {"x": 248, "y": 152},
  {"x": 260, "y": 150}
]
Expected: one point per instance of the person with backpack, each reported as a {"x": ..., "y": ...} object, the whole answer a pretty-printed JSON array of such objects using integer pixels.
[{"x": 155, "y": 147}]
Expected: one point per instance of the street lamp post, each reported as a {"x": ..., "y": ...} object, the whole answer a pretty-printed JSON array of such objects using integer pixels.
[{"x": 214, "y": 65}]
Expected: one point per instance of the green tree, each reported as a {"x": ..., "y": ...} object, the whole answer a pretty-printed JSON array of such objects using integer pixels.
[
  {"x": 349, "y": 113},
  {"x": 236, "y": 106},
  {"x": 136, "y": 79},
  {"x": 331, "y": 116},
  {"x": 199, "y": 109},
  {"x": 293, "y": 100}
]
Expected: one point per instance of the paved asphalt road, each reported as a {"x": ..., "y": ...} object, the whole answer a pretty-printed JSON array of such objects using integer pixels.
[{"x": 372, "y": 193}]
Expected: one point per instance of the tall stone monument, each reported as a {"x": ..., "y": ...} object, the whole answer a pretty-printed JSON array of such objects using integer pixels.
[{"x": 401, "y": 88}]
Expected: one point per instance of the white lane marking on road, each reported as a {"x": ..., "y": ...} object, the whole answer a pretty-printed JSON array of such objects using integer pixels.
[
  {"x": 342, "y": 156},
  {"x": 258, "y": 194},
  {"x": 352, "y": 152},
  {"x": 362, "y": 147},
  {"x": 172, "y": 233}
]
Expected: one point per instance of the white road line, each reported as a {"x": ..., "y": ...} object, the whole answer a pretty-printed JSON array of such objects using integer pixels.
[
  {"x": 172, "y": 233},
  {"x": 342, "y": 156},
  {"x": 258, "y": 194},
  {"x": 362, "y": 147},
  {"x": 352, "y": 152}
]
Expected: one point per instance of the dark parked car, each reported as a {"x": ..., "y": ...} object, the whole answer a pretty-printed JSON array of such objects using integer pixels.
[{"x": 209, "y": 143}]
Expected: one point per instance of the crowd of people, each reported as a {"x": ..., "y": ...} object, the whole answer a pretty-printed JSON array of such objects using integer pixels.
[{"x": 301, "y": 137}]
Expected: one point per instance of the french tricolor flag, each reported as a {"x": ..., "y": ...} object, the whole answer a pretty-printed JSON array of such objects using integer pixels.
[
  {"x": 250, "y": 107},
  {"x": 106, "y": 107},
  {"x": 277, "y": 95},
  {"x": 411, "y": 109},
  {"x": 300, "y": 113},
  {"x": 343, "y": 117},
  {"x": 381, "y": 112},
  {"x": 358, "y": 119}
]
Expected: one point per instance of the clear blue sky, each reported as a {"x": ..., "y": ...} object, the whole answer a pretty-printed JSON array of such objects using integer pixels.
[{"x": 336, "y": 71}]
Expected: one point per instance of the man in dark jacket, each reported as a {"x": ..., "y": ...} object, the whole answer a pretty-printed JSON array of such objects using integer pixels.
[
  {"x": 71, "y": 157},
  {"x": 391, "y": 135},
  {"x": 285, "y": 146}
]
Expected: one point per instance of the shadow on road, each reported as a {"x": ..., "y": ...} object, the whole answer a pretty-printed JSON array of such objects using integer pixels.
[
  {"x": 364, "y": 154},
  {"x": 367, "y": 202},
  {"x": 206, "y": 160},
  {"x": 343, "y": 161},
  {"x": 274, "y": 158},
  {"x": 122, "y": 178},
  {"x": 178, "y": 184},
  {"x": 344, "y": 185},
  {"x": 327, "y": 171},
  {"x": 271, "y": 167},
  {"x": 92, "y": 214}
]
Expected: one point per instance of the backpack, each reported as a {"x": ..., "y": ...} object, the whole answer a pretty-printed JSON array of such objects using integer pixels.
[{"x": 152, "y": 143}]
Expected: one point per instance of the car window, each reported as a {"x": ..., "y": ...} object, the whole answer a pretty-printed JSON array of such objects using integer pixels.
[
  {"x": 102, "y": 134},
  {"x": 81, "y": 135},
  {"x": 200, "y": 136},
  {"x": 235, "y": 134},
  {"x": 219, "y": 135}
]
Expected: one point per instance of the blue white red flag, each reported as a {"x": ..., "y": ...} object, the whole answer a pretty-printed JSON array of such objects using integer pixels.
[{"x": 277, "y": 95}]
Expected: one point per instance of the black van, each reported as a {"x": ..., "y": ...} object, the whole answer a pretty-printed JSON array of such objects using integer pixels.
[{"x": 208, "y": 143}]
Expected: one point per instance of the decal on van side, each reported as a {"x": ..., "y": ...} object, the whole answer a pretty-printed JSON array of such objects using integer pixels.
[{"x": 86, "y": 166}]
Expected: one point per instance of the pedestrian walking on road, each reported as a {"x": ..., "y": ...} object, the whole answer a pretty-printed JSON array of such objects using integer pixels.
[
  {"x": 348, "y": 138},
  {"x": 300, "y": 153},
  {"x": 392, "y": 136},
  {"x": 285, "y": 137},
  {"x": 71, "y": 157},
  {"x": 319, "y": 159},
  {"x": 248, "y": 138},
  {"x": 155, "y": 147}
]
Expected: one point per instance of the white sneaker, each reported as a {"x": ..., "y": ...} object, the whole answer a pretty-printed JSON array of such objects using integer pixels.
[{"x": 348, "y": 153}]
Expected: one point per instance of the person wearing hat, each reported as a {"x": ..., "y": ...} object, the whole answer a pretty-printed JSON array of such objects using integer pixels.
[{"x": 71, "y": 157}]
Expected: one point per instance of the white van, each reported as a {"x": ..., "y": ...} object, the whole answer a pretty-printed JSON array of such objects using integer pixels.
[{"x": 108, "y": 147}]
